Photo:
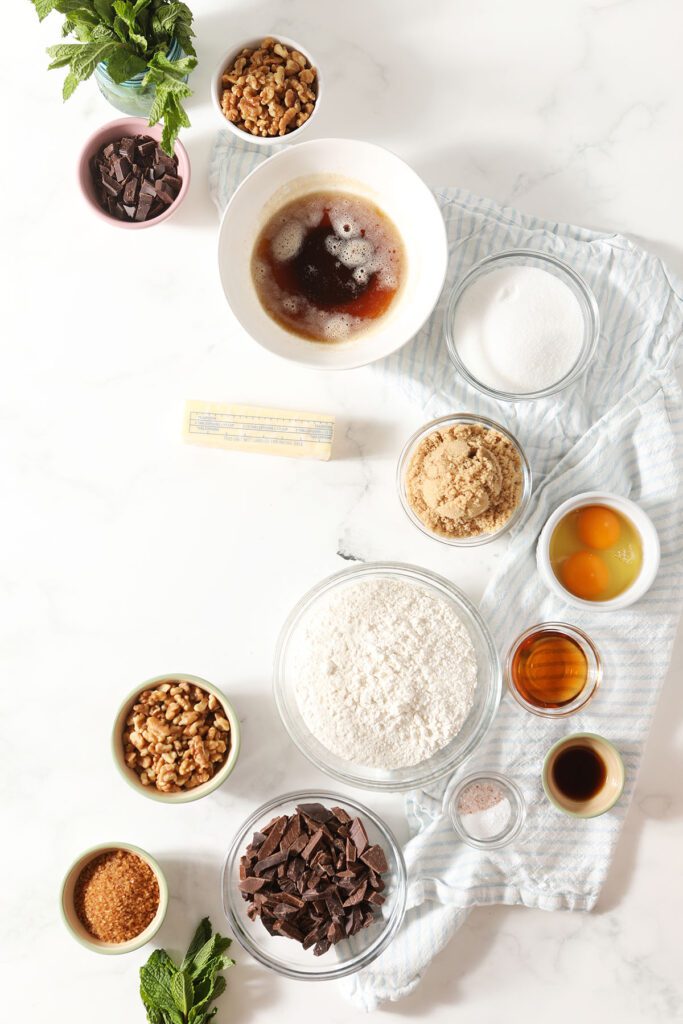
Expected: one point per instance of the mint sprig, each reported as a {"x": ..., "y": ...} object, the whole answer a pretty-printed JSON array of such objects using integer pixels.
[
  {"x": 182, "y": 995},
  {"x": 132, "y": 37}
]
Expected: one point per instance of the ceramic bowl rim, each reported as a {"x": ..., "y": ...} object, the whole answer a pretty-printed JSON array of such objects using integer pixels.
[
  {"x": 354, "y": 361},
  {"x": 184, "y": 796},
  {"x": 643, "y": 525},
  {"x": 137, "y": 126},
  {"x": 116, "y": 949},
  {"x": 597, "y": 738},
  {"x": 229, "y": 57}
]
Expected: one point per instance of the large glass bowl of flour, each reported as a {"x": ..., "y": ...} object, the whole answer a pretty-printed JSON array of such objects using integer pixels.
[{"x": 386, "y": 676}]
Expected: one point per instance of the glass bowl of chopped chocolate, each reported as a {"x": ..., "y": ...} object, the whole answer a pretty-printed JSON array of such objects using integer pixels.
[
  {"x": 128, "y": 179},
  {"x": 314, "y": 885}
]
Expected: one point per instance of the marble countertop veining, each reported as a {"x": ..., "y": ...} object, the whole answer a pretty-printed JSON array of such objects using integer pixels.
[{"x": 127, "y": 554}]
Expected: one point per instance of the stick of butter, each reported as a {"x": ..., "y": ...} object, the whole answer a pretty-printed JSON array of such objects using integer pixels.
[{"x": 253, "y": 428}]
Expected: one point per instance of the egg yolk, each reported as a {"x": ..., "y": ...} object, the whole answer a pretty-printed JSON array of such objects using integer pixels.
[
  {"x": 598, "y": 527},
  {"x": 585, "y": 575}
]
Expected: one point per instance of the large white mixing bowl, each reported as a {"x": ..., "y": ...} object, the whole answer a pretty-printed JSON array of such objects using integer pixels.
[{"x": 366, "y": 170}]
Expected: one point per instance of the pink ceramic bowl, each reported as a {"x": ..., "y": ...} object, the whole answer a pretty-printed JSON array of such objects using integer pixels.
[{"x": 114, "y": 130}]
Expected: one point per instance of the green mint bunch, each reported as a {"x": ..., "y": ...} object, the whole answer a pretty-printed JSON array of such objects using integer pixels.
[
  {"x": 182, "y": 995},
  {"x": 133, "y": 38}
]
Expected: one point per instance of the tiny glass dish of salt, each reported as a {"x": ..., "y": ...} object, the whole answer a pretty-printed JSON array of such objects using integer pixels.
[
  {"x": 521, "y": 324},
  {"x": 487, "y": 810}
]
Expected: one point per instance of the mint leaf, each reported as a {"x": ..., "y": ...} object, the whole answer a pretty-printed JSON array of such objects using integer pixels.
[
  {"x": 155, "y": 987},
  {"x": 212, "y": 949},
  {"x": 62, "y": 54},
  {"x": 210, "y": 990},
  {"x": 174, "y": 21},
  {"x": 123, "y": 65},
  {"x": 126, "y": 12},
  {"x": 201, "y": 936},
  {"x": 69, "y": 87},
  {"x": 182, "y": 991},
  {"x": 90, "y": 55},
  {"x": 43, "y": 7},
  {"x": 105, "y": 10},
  {"x": 176, "y": 69}
]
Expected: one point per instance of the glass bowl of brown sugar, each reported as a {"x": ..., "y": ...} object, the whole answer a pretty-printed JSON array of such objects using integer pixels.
[
  {"x": 464, "y": 480},
  {"x": 114, "y": 898}
]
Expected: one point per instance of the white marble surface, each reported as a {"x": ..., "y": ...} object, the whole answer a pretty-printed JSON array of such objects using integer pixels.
[{"x": 127, "y": 554}]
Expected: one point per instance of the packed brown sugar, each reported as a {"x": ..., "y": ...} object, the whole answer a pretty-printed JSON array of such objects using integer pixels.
[{"x": 465, "y": 480}]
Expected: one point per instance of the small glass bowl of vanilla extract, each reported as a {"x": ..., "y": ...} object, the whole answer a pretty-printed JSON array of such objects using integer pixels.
[{"x": 553, "y": 669}]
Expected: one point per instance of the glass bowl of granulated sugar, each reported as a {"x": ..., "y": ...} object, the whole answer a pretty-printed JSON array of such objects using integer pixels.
[{"x": 386, "y": 676}]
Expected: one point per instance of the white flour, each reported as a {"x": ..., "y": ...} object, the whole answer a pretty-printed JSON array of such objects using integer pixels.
[{"x": 385, "y": 672}]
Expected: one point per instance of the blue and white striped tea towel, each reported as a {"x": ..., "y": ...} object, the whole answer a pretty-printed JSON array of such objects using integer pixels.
[{"x": 618, "y": 429}]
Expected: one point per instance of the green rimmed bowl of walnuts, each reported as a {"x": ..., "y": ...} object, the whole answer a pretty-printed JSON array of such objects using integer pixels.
[{"x": 176, "y": 738}]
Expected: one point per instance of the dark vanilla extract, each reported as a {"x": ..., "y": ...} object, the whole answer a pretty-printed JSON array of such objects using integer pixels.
[
  {"x": 327, "y": 265},
  {"x": 579, "y": 772}
]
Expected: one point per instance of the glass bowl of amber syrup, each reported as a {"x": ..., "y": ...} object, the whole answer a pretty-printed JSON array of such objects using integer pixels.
[{"x": 553, "y": 670}]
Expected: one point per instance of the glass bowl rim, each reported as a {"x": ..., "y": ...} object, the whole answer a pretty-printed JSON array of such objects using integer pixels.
[
  {"x": 593, "y": 678},
  {"x": 391, "y": 925},
  {"x": 473, "y": 618},
  {"x": 463, "y": 417},
  {"x": 454, "y": 790},
  {"x": 588, "y": 347}
]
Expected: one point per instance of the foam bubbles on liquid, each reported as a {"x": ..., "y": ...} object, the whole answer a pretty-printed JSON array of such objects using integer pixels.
[
  {"x": 288, "y": 241},
  {"x": 356, "y": 252},
  {"x": 360, "y": 237}
]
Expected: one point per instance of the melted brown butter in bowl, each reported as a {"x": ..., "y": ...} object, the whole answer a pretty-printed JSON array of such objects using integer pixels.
[{"x": 328, "y": 265}]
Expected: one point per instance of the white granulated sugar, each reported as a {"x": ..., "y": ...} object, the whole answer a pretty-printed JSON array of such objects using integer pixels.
[
  {"x": 518, "y": 329},
  {"x": 384, "y": 672}
]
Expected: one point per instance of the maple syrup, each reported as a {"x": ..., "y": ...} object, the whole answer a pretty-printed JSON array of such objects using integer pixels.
[
  {"x": 327, "y": 265},
  {"x": 549, "y": 669}
]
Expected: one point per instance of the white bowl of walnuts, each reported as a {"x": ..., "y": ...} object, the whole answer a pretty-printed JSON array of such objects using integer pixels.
[
  {"x": 176, "y": 738},
  {"x": 266, "y": 90}
]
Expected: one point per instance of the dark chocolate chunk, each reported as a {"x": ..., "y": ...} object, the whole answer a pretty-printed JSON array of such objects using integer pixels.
[
  {"x": 110, "y": 185},
  {"x": 358, "y": 835},
  {"x": 269, "y": 862},
  {"x": 375, "y": 859},
  {"x": 143, "y": 207},
  {"x": 127, "y": 148},
  {"x": 252, "y": 884},
  {"x": 312, "y": 845},
  {"x": 315, "y": 811},
  {"x": 146, "y": 149},
  {"x": 121, "y": 167},
  {"x": 130, "y": 190}
]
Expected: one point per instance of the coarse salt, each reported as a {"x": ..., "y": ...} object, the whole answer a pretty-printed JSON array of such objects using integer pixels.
[
  {"x": 518, "y": 329},
  {"x": 484, "y": 810}
]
